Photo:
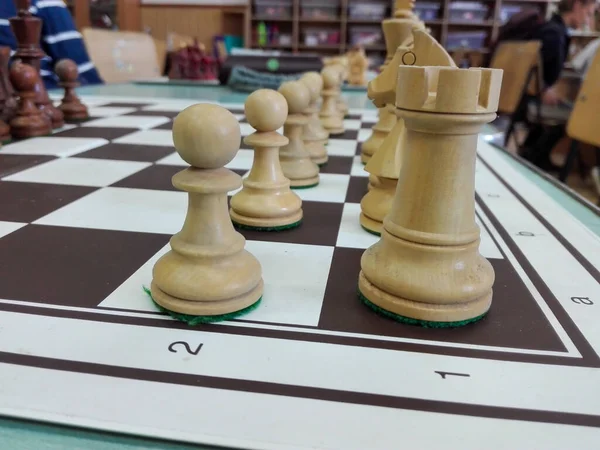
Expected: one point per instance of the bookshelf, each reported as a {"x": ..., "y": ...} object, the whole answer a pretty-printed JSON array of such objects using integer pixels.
[{"x": 329, "y": 27}]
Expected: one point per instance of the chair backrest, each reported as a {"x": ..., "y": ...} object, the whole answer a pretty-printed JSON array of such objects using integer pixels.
[
  {"x": 122, "y": 56},
  {"x": 519, "y": 60},
  {"x": 584, "y": 124}
]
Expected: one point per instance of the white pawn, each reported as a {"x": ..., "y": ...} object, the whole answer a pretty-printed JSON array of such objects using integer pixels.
[
  {"x": 207, "y": 272},
  {"x": 266, "y": 202},
  {"x": 296, "y": 163},
  {"x": 315, "y": 137},
  {"x": 331, "y": 118}
]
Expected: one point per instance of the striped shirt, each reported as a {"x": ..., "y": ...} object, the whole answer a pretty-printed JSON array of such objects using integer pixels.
[{"x": 60, "y": 39}]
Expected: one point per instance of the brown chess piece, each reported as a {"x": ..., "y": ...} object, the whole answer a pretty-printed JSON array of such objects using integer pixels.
[
  {"x": 29, "y": 121},
  {"x": 4, "y": 128},
  {"x": 8, "y": 100},
  {"x": 71, "y": 105},
  {"x": 27, "y": 30}
]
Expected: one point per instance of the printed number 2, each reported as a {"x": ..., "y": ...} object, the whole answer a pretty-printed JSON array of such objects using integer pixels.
[{"x": 186, "y": 346}]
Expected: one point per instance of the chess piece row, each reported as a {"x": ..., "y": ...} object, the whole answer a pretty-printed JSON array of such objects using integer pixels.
[
  {"x": 24, "y": 116},
  {"x": 208, "y": 272},
  {"x": 426, "y": 266},
  {"x": 30, "y": 112}
]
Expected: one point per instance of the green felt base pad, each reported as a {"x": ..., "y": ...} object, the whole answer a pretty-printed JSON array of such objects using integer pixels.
[
  {"x": 198, "y": 320},
  {"x": 304, "y": 187},
  {"x": 280, "y": 228},
  {"x": 410, "y": 321},
  {"x": 371, "y": 231}
]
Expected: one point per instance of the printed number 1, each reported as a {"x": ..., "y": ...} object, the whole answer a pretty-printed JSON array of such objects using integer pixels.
[{"x": 186, "y": 346}]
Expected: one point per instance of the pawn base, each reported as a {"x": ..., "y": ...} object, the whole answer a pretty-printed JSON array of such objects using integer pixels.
[
  {"x": 74, "y": 112},
  {"x": 371, "y": 225},
  {"x": 206, "y": 309},
  {"x": 23, "y": 127},
  {"x": 266, "y": 224},
  {"x": 304, "y": 183},
  {"x": 197, "y": 320},
  {"x": 54, "y": 114},
  {"x": 317, "y": 151},
  {"x": 419, "y": 313},
  {"x": 333, "y": 124}
]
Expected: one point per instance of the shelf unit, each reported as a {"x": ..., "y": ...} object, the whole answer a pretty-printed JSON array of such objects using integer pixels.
[{"x": 294, "y": 25}]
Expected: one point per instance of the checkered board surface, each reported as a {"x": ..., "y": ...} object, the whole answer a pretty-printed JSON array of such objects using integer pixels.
[{"x": 87, "y": 211}]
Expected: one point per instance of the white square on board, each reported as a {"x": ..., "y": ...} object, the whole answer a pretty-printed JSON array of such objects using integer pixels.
[
  {"x": 370, "y": 115},
  {"x": 123, "y": 209},
  {"x": 108, "y": 111},
  {"x": 142, "y": 122},
  {"x": 294, "y": 275},
  {"x": 79, "y": 172},
  {"x": 55, "y": 146},
  {"x": 341, "y": 147},
  {"x": 358, "y": 168},
  {"x": 8, "y": 227},
  {"x": 351, "y": 234},
  {"x": 173, "y": 105},
  {"x": 331, "y": 188},
  {"x": 147, "y": 137},
  {"x": 364, "y": 134},
  {"x": 352, "y": 124},
  {"x": 65, "y": 127},
  {"x": 242, "y": 161}
]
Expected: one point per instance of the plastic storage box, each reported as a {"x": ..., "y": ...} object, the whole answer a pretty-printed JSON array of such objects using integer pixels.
[
  {"x": 366, "y": 36},
  {"x": 468, "y": 11},
  {"x": 506, "y": 12},
  {"x": 314, "y": 37},
  {"x": 320, "y": 9},
  {"x": 466, "y": 39},
  {"x": 277, "y": 9},
  {"x": 427, "y": 10},
  {"x": 364, "y": 10}
]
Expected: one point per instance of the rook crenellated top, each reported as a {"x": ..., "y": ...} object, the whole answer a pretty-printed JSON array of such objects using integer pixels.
[{"x": 448, "y": 89}]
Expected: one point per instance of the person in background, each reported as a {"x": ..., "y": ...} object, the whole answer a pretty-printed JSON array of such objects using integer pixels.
[
  {"x": 60, "y": 39},
  {"x": 556, "y": 40},
  {"x": 554, "y": 35}
]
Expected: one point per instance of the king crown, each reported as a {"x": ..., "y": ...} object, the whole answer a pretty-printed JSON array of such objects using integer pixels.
[{"x": 448, "y": 89}]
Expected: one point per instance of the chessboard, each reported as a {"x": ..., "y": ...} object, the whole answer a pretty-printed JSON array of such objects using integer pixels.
[{"x": 88, "y": 210}]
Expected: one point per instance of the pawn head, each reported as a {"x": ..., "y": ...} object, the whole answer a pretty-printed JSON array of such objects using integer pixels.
[
  {"x": 23, "y": 76},
  {"x": 297, "y": 96},
  {"x": 331, "y": 77},
  {"x": 206, "y": 136},
  {"x": 266, "y": 110},
  {"x": 314, "y": 82},
  {"x": 66, "y": 70}
]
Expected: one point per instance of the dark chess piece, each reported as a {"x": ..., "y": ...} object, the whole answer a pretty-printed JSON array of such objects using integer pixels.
[
  {"x": 4, "y": 95},
  {"x": 71, "y": 105},
  {"x": 28, "y": 30},
  {"x": 29, "y": 121},
  {"x": 8, "y": 97}
]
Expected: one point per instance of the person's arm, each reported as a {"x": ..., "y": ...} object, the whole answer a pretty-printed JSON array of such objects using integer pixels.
[
  {"x": 60, "y": 39},
  {"x": 553, "y": 54}
]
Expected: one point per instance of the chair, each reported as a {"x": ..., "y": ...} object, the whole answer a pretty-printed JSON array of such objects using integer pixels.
[
  {"x": 583, "y": 125},
  {"x": 122, "y": 56},
  {"x": 520, "y": 61}
]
